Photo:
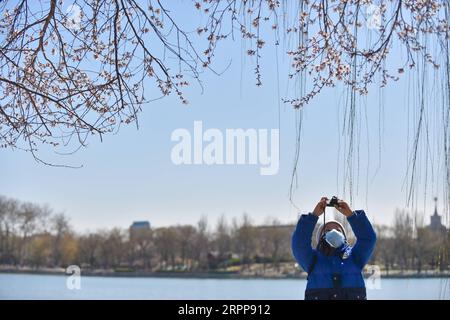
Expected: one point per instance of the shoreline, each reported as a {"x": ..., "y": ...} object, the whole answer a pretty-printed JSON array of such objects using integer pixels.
[{"x": 204, "y": 275}]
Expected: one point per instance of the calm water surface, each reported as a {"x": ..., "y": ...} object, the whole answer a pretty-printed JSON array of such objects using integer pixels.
[{"x": 25, "y": 286}]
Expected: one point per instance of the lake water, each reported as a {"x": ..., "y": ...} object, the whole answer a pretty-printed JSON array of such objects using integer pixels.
[{"x": 27, "y": 286}]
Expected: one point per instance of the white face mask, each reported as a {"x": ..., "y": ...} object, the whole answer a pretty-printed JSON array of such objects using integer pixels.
[{"x": 334, "y": 238}]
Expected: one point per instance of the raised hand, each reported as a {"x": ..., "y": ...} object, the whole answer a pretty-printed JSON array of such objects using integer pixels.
[
  {"x": 320, "y": 207},
  {"x": 344, "y": 208}
]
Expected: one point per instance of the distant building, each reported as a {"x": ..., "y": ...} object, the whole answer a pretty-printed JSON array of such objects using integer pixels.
[
  {"x": 435, "y": 221},
  {"x": 139, "y": 228}
]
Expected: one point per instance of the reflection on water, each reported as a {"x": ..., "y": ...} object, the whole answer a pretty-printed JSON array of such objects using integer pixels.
[{"x": 24, "y": 286}]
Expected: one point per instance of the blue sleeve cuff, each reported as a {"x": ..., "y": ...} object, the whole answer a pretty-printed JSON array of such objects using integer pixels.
[
  {"x": 311, "y": 216},
  {"x": 355, "y": 214},
  {"x": 307, "y": 219}
]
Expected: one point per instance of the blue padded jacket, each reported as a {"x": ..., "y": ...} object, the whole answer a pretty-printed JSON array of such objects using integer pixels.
[{"x": 340, "y": 275}]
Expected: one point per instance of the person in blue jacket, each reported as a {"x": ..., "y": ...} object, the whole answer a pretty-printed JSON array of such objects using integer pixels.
[{"x": 334, "y": 268}]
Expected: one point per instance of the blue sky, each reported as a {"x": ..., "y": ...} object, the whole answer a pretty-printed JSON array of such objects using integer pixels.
[{"x": 130, "y": 175}]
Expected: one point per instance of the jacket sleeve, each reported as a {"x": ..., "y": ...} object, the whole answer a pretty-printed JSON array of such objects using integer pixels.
[
  {"x": 365, "y": 237},
  {"x": 301, "y": 240}
]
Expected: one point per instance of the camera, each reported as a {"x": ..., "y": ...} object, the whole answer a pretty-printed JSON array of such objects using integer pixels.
[{"x": 332, "y": 202}]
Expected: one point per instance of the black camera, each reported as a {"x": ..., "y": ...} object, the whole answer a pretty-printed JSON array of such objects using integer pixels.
[{"x": 332, "y": 202}]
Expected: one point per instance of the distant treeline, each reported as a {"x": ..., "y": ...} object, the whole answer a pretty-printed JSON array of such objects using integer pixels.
[{"x": 32, "y": 235}]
